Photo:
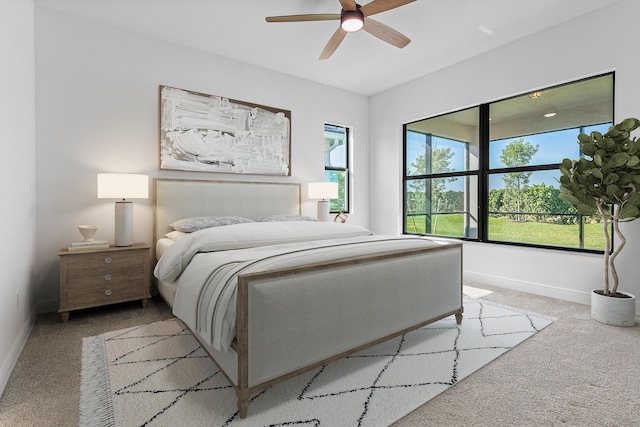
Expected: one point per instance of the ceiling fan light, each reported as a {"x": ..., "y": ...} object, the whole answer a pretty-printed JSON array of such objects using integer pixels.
[{"x": 351, "y": 20}]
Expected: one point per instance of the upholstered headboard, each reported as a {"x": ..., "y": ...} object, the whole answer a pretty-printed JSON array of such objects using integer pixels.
[{"x": 174, "y": 199}]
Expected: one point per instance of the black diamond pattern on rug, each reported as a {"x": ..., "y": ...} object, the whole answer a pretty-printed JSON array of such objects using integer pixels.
[{"x": 159, "y": 375}]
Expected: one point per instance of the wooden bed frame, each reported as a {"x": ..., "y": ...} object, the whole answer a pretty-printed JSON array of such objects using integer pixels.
[{"x": 249, "y": 369}]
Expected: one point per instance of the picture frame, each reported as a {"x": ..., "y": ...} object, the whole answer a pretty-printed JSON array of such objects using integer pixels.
[{"x": 210, "y": 133}]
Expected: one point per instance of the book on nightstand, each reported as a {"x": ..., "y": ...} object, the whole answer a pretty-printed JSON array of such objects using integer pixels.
[{"x": 87, "y": 246}]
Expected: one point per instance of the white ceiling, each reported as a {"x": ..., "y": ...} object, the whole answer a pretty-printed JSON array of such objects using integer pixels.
[{"x": 443, "y": 32}]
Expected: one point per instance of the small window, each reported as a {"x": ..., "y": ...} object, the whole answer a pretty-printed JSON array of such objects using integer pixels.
[{"x": 336, "y": 164}]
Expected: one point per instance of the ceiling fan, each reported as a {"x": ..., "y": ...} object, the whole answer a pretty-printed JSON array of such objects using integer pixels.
[{"x": 354, "y": 18}]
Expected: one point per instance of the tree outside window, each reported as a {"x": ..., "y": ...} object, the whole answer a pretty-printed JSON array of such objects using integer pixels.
[{"x": 517, "y": 153}]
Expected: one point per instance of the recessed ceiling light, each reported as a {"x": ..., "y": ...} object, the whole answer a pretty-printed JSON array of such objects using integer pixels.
[
  {"x": 550, "y": 114},
  {"x": 535, "y": 95}
]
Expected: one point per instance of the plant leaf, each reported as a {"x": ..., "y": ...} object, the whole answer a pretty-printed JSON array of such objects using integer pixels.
[
  {"x": 619, "y": 159},
  {"x": 584, "y": 138},
  {"x": 634, "y": 199},
  {"x": 612, "y": 189},
  {"x": 589, "y": 148},
  {"x": 629, "y": 211},
  {"x": 596, "y": 172},
  {"x": 611, "y": 178}
]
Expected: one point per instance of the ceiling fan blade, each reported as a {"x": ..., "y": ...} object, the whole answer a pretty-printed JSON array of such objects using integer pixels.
[
  {"x": 377, "y": 6},
  {"x": 333, "y": 44},
  {"x": 302, "y": 18},
  {"x": 385, "y": 33},
  {"x": 348, "y": 4}
]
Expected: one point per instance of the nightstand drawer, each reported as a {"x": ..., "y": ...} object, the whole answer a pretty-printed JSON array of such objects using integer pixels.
[
  {"x": 103, "y": 261},
  {"x": 102, "y": 295},
  {"x": 99, "y": 278}
]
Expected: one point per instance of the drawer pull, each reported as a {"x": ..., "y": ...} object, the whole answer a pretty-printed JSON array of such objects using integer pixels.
[
  {"x": 107, "y": 277},
  {"x": 108, "y": 292},
  {"x": 108, "y": 260}
]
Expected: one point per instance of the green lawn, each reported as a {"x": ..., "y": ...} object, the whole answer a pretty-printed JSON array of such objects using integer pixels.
[{"x": 507, "y": 230}]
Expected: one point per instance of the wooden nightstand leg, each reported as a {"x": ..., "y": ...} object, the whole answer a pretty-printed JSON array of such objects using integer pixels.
[
  {"x": 145, "y": 303},
  {"x": 65, "y": 316}
]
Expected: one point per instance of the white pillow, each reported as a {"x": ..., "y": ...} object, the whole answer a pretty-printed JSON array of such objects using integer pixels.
[{"x": 175, "y": 235}]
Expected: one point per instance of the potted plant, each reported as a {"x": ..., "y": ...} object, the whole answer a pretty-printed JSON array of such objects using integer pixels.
[{"x": 604, "y": 182}]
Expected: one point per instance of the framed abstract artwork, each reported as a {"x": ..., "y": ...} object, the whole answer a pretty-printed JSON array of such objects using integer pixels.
[{"x": 208, "y": 133}]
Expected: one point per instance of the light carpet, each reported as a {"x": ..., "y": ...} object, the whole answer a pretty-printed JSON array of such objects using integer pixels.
[{"x": 157, "y": 375}]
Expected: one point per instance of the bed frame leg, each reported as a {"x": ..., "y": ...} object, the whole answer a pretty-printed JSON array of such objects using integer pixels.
[
  {"x": 243, "y": 403},
  {"x": 459, "y": 318}
]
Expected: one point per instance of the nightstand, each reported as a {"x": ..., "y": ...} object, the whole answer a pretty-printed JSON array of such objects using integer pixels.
[{"x": 93, "y": 278}]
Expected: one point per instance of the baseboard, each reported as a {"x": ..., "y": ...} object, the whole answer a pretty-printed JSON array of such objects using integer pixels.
[
  {"x": 534, "y": 288},
  {"x": 529, "y": 287},
  {"x": 16, "y": 349}
]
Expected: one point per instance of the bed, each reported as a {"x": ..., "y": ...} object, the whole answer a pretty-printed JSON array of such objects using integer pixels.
[{"x": 270, "y": 294}]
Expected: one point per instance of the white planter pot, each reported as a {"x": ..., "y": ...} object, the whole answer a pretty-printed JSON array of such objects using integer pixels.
[{"x": 613, "y": 311}]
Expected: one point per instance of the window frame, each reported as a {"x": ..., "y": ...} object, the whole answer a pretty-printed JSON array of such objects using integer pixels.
[
  {"x": 484, "y": 171},
  {"x": 437, "y": 175},
  {"x": 345, "y": 170}
]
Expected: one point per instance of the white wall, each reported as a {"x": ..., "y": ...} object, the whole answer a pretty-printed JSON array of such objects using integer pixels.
[
  {"x": 574, "y": 50},
  {"x": 17, "y": 181},
  {"x": 97, "y": 110}
]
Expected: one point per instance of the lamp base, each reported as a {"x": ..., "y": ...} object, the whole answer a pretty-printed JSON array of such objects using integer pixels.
[
  {"x": 323, "y": 210},
  {"x": 124, "y": 223}
]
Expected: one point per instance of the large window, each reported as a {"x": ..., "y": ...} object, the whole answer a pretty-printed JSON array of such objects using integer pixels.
[
  {"x": 490, "y": 173},
  {"x": 336, "y": 164}
]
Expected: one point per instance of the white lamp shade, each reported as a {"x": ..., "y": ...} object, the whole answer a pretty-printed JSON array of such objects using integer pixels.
[
  {"x": 323, "y": 190},
  {"x": 123, "y": 186}
]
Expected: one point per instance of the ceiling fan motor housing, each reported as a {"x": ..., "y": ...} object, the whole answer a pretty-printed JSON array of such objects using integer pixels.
[{"x": 352, "y": 20}]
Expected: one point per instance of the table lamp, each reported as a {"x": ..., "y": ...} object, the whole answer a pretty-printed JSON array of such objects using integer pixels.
[
  {"x": 123, "y": 186},
  {"x": 324, "y": 191}
]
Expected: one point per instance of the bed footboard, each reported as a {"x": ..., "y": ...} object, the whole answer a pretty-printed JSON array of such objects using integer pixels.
[{"x": 296, "y": 319}]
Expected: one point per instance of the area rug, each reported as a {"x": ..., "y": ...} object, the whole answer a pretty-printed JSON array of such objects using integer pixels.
[{"x": 157, "y": 375}]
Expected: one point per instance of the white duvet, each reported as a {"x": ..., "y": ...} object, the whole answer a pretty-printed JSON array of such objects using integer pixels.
[
  {"x": 205, "y": 264},
  {"x": 249, "y": 235}
]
